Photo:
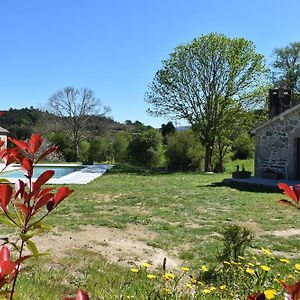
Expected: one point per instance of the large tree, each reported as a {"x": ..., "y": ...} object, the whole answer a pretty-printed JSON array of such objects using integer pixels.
[
  {"x": 286, "y": 69},
  {"x": 200, "y": 79},
  {"x": 76, "y": 111}
]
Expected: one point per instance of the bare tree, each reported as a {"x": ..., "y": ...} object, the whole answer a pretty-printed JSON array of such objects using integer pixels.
[{"x": 76, "y": 111}]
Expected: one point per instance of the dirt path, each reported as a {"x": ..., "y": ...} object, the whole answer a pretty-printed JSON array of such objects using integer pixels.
[{"x": 127, "y": 247}]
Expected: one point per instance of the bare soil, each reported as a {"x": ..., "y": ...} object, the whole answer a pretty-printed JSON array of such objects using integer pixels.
[{"x": 126, "y": 247}]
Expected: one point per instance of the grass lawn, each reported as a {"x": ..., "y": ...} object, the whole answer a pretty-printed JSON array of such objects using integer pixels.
[{"x": 183, "y": 213}]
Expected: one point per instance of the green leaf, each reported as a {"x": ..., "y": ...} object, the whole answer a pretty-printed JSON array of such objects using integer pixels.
[
  {"x": 3, "y": 180},
  {"x": 32, "y": 248},
  {"x": 6, "y": 220}
]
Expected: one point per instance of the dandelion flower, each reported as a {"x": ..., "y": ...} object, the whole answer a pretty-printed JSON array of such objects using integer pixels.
[
  {"x": 250, "y": 271},
  {"x": 204, "y": 268},
  {"x": 266, "y": 251},
  {"x": 212, "y": 288},
  {"x": 168, "y": 276},
  {"x": 146, "y": 265},
  {"x": 184, "y": 269},
  {"x": 285, "y": 260},
  {"x": 134, "y": 270},
  {"x": 188, "y": 285},
  {"x": 151, "y": 276},
  {"x": 223, "y": 287},
  {"x": 270, "y": 294},
  {"x": 265, "y": 268},
  {"x": 297, "y": 267},
  {"x": 193, "y": 280}
]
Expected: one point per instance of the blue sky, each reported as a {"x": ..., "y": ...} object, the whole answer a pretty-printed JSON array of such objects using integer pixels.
[{"x": 115, "y": 47}]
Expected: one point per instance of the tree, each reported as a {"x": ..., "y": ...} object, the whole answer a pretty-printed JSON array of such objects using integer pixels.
[
  {"x": 286, "y": 69},
  {"x": 200, "y": 79},
  {"x": 75, "y": 109},
  {"x": 145, "y": 149}
]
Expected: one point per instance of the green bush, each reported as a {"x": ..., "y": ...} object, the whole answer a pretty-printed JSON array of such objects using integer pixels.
[
  {"x": 184, "y": 152},
  {"x": 145, "y": 149},
  {"x": 243, "y": 147}
]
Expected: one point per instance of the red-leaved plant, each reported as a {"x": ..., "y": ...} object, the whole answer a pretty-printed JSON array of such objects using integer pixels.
[{"x": 24, "y": 206}]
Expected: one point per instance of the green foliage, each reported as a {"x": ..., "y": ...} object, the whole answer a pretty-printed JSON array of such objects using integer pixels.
[
  {"x": 200, "y": 81},
  {"x": 120, "y": 146},
  {"x": 145, "y": 149},
  {"x": 183, "y": 151},
  {"x": 235, "y": 241},
  {"x": 84, "y": 150},
  {"x": 64, "y": 144},
  {"x": 101, "y": 150},
  {"x": 243, "y": 147}
]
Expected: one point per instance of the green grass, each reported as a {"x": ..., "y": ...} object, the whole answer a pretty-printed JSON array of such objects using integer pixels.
[{"x": 185, "y": 211}]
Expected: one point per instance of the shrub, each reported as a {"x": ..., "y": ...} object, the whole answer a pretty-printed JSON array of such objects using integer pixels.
[
  {"x": 145, "y": 149},
  {"x": 243, "y": 147},
  {"x": 184, "y": 152}
]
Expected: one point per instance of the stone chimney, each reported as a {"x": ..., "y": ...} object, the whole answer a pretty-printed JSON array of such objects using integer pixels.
[{"x": 279, "y": 101}]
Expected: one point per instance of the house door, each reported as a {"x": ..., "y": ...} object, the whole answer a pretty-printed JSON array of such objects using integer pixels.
[{"x": 297, "y": 154}]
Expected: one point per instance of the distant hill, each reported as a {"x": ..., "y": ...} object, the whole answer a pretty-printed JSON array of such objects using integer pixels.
[{"x": 21, "y": 123}]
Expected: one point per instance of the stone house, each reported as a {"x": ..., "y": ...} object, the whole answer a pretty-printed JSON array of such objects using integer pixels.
[
  {"x": 3, "y": 136},
  {"x": 277, "y": 141}
]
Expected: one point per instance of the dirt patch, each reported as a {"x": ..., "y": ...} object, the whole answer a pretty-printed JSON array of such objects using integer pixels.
[
  {"x": 285, "y": 233},
  {"x": 127, "y": 247}
]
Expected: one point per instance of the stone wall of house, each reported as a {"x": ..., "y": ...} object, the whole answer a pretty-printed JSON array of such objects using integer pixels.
[{"x": 275, "y": 149}]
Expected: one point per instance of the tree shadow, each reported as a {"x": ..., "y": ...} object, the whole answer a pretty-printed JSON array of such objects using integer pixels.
[{"x": 246, "y": 187}]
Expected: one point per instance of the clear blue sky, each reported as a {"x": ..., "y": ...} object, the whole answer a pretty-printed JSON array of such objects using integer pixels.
[{"x": 115, "y": 46}]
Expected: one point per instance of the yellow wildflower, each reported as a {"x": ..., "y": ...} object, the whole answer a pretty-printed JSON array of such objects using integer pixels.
[
  {"x": 146, "y": 265},
  {"x": 250, "y": 271},
  {"x": 193, "y": 280},
  {"x": 168, "y": 276},
  {"x": 285, "y": 260},
  {"x": 290, "y": 276},
  {"x": 266, "y": 251},
  {"x": 167, "y": 290},
  {"x": 241, "y": 257},
  {"x": 134, "y": 270},
  {"x": 200, "y": 283},
  {"x": 297, "y": 267},
  {"x": 226, "y": 262},
  {"x": 212, "y": 288},
  {"x": 204, "y": 268},
  {"x": 254, "y": 258},
  {"x": 184, "y": 269},
  {"x": 188, "y": 285},
  {"x": 270, "y": 294},
  {"x": 265, "y": 268},
  {"x": 276, "y": 279},
  {"x": 250, "y": 265},
  {"x": 151, "y": 276},
  {"x": 223, "y": 287},
  {"x": 206, "y": 291}
]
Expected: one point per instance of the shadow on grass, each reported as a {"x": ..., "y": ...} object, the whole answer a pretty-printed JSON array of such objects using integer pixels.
[{"x": 246, "y": 187}]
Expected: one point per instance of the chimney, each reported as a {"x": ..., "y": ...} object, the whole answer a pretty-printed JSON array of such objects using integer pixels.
[{"x": 279, "y": 101}]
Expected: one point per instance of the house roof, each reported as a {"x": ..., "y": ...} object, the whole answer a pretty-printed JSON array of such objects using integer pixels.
[
  {"x": 279, "y": 117},
  {"x": 2, "y": 130}
]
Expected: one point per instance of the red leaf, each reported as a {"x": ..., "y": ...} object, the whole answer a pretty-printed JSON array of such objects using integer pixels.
[
  {"x": 286, "y": 202},
  {"x": 27, "y": 167},
  {"x": 6, "y": 268},
  {"x": 1, "y": 143},
  {"x": 25, "y": 210},
  {"x": 256, "y": 296},
  {"x": 20, "y": 188},
  {"x": 5, "y": 195},
  {"x": 61, "y": 194},
  {"x": 20, "y": 144},
  {"x": 81, "y": 295},
  {"x": 47, "y": 152},
  {"x": 293, "y": 290},
  {"x": 289, "y": 191},
  {"x": 43, "y": 200},
  {"x": 42, "y": 179},
  {"x": 4, "y": 254},
  {"x": 35, "y": 143}
]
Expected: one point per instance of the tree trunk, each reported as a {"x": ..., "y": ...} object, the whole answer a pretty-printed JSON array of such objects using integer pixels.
[{"x": 208, "y": 158}]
